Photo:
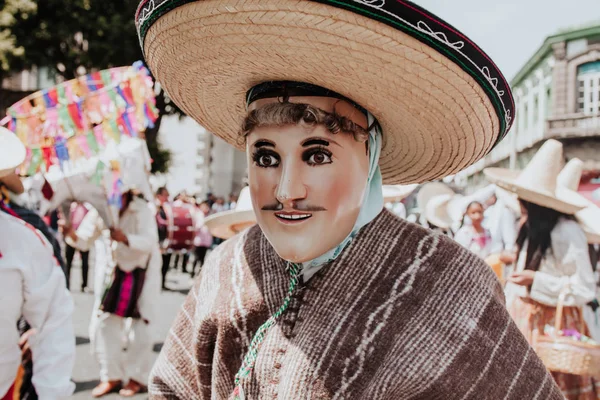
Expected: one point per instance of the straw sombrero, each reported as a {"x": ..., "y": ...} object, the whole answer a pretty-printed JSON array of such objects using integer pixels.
[
  {"x": 228, "y": 223},
  {"x": 441, "y": 101},
  {"x": 537, "y": 182},
  {"x": 12, "y": 152},
  {"x": 392, "y": 193},
  {"x": 589, "y": 217},
  {"x": 429, "y": 191}
]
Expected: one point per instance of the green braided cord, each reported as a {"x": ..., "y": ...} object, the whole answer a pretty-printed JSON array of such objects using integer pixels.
[{"x": 250, "y": 357}]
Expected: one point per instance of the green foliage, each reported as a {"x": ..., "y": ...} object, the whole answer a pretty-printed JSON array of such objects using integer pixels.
[
  {"x": 10, "y": 10},
  {"x": 74, "y": 37}
]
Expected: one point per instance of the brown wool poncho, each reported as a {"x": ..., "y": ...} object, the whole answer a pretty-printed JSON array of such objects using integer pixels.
[{"x": 403, "y": 313}]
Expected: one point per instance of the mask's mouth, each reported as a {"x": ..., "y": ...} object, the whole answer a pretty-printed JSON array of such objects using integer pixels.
[{"x": 293, "y": 217}]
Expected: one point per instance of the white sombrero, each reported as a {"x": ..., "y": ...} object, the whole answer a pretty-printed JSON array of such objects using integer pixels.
[
  {"x": 438, "y": 210},
  {"x": 228, "y": 223},
  {"x": 442, "y": 103},
  {"x": 429, "y": 191},
  {"x": 537, "y": 182},
  {"x": 12, "y": 152},
  {"x": 589, "y": 217},
  {"x": 392, "y": 193}
]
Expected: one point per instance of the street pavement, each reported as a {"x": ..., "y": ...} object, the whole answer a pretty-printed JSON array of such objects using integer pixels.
[{"x": 86, "y": 371}]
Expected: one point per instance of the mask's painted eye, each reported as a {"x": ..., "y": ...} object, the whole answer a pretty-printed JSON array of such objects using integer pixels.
[
  {"x": 319, "y": 158},
  {"x": 265, "y": 159}
]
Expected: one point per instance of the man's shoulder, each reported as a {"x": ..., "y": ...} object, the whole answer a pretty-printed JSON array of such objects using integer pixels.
[{"x": 21, "y": 238}]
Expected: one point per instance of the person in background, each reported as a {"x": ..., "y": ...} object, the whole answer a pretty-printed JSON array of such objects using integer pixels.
[
  {"x": 133, "y": 293},
  {"x": 78, "y": 212},
  {"x": 474, "y": 236},
  {"x": 7, "y": 188},
  {"x": 210, "y": 199},
  {"x": 233, "y": 198},
  {"x": 552, "y": 259},
  {"x": 162, "y": 197},
  {"x": 219, "y": 205},
  {"x": 32, "y": 286},
  {"x": 202, "y": 239}
]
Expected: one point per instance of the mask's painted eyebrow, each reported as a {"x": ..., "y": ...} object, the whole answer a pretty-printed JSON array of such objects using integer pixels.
[
  {"x": 263, "y": 143},
  {"x": 318, "y": 141}
]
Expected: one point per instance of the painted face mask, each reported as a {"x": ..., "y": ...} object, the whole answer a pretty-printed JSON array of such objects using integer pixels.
[{"x": 313, "y": 190}]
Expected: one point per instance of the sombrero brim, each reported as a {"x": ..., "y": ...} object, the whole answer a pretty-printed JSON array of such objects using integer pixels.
[
  {"x": 227, "y": 224},
  {"x": 589, "y": 219},
  {"x": 442, "y": 103},
  {"x": 397, "y": 192},
  {"x": 436, "y": 212},
  {"x": 429, "y": 191},
  {"x": 12, "y": 152},
  {"x": 564, "y": 200}
]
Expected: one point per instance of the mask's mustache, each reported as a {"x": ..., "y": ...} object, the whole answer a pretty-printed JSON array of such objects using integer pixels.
[{"x": 296, "y": 207}]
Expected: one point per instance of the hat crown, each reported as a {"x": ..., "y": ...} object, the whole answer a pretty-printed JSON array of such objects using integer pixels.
[
  {"x": 542, "y": 171},
  {"x": 12, "y": 152},
  {"x": 570, "y": 176},
  {"x": 244, "y": 202}
]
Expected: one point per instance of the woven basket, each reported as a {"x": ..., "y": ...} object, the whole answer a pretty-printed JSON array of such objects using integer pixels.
[{"x": 563, "y": 354}]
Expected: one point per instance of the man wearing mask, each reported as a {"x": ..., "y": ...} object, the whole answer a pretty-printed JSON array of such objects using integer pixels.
[{"x": 330, "y": 296}]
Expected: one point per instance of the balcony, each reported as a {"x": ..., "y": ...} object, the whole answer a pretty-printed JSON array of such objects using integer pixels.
[{"x": 572, "y": 126}]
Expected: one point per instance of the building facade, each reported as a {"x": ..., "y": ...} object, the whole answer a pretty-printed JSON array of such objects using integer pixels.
[
  {"x": 557, "y": 96},
  {"x": 201, "y": 162}
]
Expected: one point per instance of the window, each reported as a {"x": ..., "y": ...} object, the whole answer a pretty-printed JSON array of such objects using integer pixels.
[
  {"x": 548, "y": 102},
  {"x": 536, "y": 111},
  {"x": 588, "y": 88},
  {"x": 525, "y": 116}
]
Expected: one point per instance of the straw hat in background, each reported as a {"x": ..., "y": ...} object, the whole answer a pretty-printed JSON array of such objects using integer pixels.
[
  {"x": 537, "y": 183},
  {"x": 589, "y": 217},
  {"x": 12, "y": 152},
  {"x": 392, "y": 193},
  {"x": 394, "y": 59},
  {"x": 429, "y": 191},
  {"x": 509, "y": 199},
  {"x": 228, "y": 223},
  {"x": 436, "y": 211}
]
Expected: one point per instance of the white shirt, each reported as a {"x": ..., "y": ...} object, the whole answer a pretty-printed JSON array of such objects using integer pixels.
[
  {"x": 33, "y": 285},
  {"x": 503, "y": 225},
  {"x": 567, "y": 263},
  {"x": 479, "y": 244}
]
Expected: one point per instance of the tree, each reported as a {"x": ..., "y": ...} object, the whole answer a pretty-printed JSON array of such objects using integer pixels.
[
  {"x": 9, "y": 51},
  {"x": 76, "y": 36}
]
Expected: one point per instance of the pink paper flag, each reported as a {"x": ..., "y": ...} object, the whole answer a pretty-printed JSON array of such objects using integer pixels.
[
  {"x": 84, "y": 146},
  {"x": 99, "y": 133}
]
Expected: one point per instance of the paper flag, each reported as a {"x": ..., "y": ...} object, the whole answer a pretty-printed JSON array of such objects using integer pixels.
[
  {"x": 60, "y": 91},
  {"x": 83, "y": 145},
  {"x": 47, "y": 156},
  {"x": 92, "y": 143},
  {"x": 35, "y": 161},
  {"x": 99, "y": 173},
  {"x": 99, "y": 134},
  {"x": 75, "y": 114},
  {"x": 62, "y": 153}
]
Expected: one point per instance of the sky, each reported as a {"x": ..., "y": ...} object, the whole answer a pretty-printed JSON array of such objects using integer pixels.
[{"x": 511, "y": 31}]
